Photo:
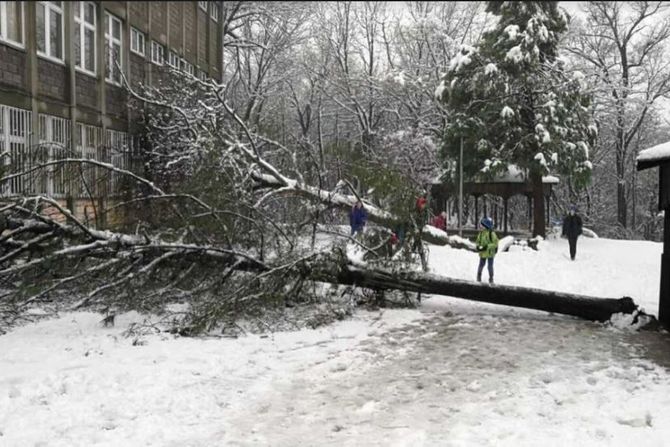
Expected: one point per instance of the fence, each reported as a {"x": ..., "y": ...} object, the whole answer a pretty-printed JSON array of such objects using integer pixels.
[{"x": 21, "y": 151}]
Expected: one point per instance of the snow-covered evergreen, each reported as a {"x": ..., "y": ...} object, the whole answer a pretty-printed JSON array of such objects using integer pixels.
[{"x": 512, "y": 99}]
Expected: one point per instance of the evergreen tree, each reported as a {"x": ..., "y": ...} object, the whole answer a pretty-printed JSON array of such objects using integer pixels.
[{"x": 513, "y": 102}]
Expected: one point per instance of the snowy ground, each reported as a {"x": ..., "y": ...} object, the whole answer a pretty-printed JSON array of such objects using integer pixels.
[{"x": 452, "y": 373}]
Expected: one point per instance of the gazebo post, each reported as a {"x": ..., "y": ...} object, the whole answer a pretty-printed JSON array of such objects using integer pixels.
[
  {"x": 530, "y": 212},
  {"x": 505, "y": 213},
  {"x": 664, "y": 293},
  {"x": 547, "y": 201},
  {"x": 476, "y": 206}
]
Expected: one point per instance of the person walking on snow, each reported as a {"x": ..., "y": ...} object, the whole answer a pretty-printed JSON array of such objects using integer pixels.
[
  {"x": 572, "y": 228},
  {"x": 487, "y": 246},
  {"x": 358, "y": 218}
]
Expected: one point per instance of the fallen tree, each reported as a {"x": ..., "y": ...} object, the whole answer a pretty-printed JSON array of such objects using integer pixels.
[
  {"x": 586, "y": 307},
  {"x": 41, "y": 257}
]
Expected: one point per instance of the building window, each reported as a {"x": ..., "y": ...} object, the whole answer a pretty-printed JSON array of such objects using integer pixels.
[
  {"x": 11, "y": 22},
  {"x": 214, "y": 11},
  {"x": 202, "y": 75},
  {"x": 136, "y": 41},
  {"x": 203, "y": 6},
  {"x": 88, "y": 141},
  {"x": 119, "y": 149},
  {"x": 54, "y": 137},
  {"x": 15, "y": 131},
  {"x": 157, "y": 56},
  {"x": 173, "y": 60},
  {"x": 187, "y": 67},
  {"x": 113, "y": 54},
  {"x": 84, "y": 36},
  {"x": 50, "y": 30}
]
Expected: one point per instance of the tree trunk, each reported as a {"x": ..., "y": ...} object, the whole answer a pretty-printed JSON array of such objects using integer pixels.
[
  {"x": 621, "y": 149},
  {"x": 538, "y": 204},
  {"x": 621, "y": 193},
  {"x": 590, "y": 308}
]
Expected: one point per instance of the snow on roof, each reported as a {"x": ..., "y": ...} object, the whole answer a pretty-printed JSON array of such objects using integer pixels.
[
  {"x": 514, "y": 174},
  {"x": 654, "y": 155}
]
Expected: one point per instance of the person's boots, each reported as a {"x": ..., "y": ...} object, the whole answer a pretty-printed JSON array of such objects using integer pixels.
[
  {"x": 479, "y": 277},
  {"x": 491, "y": 280}
]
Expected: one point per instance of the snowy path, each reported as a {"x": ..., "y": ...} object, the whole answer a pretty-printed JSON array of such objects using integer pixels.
[{"x": 473, "y": 380}]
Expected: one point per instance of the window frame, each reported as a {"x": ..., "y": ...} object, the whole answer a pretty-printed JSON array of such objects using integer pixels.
[
  {"x": 47, "y": 54},
  {"x": 203, "y": 6},
  {"x": 161, "y": 61},
  {"x": 3, "y": 25},
  {"x": 177, "y": 58},
  {"x": 187, "y": 67},
  {"x": 110, "y": 40},
  {"x": 214, "y": 11},
  {"x": 133, "y": 33},
  {"x": 82, "y": 25}
]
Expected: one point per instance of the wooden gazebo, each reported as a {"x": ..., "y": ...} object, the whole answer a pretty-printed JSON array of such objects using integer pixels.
[
  {"x": 506, "y": 185},
  {"x": 649, "y": 158}
]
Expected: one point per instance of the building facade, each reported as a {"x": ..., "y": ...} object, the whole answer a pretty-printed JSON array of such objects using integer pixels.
[{"x": 62, "y": 70}]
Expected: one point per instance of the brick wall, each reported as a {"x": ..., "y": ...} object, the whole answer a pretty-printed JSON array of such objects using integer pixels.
[
  {"x": 13, "y": 67},
  {"x": 51, "y": 79},
  {"x": 87, "y": 91},
  {"x": 175, "y": 26},
  {"x": 159, "y": 21},
  {"x": 189, "y": 26},
  {"x": 139, "y": 15},
  {"x": 202, "y": 31},
  {"x": 213, "y": 35},
  {"x": 137, "y": 70},
  {"x": 116, "y": 102}
]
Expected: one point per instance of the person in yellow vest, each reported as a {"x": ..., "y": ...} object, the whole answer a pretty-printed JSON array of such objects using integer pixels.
[{"x": 487, "y": 246}]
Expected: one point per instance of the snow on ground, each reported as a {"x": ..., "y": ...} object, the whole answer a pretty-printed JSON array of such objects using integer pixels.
[
  {"x": 602, "y": 268},
  {"x": 453, "y": 372}
]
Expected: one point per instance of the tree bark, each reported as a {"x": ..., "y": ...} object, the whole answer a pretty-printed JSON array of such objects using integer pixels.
[{"x": 586, "y": 307}]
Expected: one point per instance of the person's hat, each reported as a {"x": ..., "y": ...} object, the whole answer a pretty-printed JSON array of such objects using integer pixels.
[{"x": 487, "y": 223}]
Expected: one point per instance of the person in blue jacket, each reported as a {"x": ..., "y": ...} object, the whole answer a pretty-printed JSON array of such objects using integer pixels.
[{"x": 358, "y": 218}]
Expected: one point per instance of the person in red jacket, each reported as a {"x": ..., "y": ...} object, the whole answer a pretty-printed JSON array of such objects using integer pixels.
[
  {"x": 421, "y": 203},
  {"x": 440, "y": 221}
]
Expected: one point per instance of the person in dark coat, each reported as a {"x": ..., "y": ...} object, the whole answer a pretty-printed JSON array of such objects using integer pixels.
[
  {"x": 572, "y": 228},
  {"x": 358, "y": 218}
]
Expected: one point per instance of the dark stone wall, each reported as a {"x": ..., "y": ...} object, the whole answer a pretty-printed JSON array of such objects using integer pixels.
[
  {"x": 116, "y": 102},
  {"x": 51, "y": 79},
  {"x": 87, "y": 91},
  {"x": 189, "y": 28},
  {"x": 175, "y": 26},
  {"x": 13, "y": 67},
  {"x": 139, "y": 15},
  {"x": 159, "y": 21},
  {"x": 138, "y": 72},
  {"x": 202, "y": 31}
]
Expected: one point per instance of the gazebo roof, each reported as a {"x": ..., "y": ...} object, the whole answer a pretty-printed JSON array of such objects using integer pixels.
[
  {"x": 653, "y": 156},
  {"x": 514, "y": 174}
]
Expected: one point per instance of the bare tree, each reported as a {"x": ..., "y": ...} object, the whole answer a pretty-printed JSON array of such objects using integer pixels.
[{"x": 625, "y": 44}]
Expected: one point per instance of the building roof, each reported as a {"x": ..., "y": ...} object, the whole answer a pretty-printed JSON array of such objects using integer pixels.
[{"x": 653, "y": 156}]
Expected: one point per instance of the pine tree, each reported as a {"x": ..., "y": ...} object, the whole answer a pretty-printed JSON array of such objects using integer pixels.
[{"x": 513, "y": 102}]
